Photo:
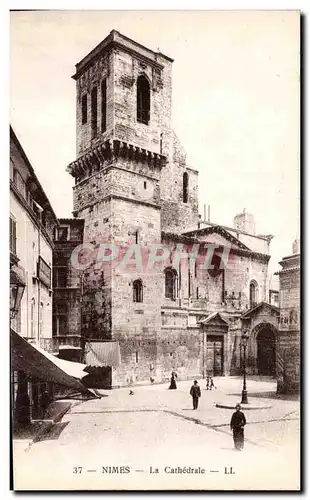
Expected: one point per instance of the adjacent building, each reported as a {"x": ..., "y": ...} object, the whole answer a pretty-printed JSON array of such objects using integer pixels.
[
  {"x": 67, "y": 289},
  {"x": 288, "y": 356},
  {"x": 32, "y": 222}
]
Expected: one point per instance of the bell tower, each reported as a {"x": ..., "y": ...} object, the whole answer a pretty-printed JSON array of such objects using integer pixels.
[{"x": 123, "y": 123}]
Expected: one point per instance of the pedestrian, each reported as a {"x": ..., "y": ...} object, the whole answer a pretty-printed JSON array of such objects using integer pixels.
[
  {"x": 45, "y": 401},
  {"x": 195, "y": 393},
  {"x": 237, "y": 424},
  {"x": 211, "y": 384},
  {"x": 173, "y": 384},
  {"x": 208, "y": 383}
]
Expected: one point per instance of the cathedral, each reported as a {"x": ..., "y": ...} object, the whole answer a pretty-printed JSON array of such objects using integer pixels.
[{"x": 134, "y": 190}]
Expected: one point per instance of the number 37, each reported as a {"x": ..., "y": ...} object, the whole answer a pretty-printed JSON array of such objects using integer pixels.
[{"x": 77, "y": 470}]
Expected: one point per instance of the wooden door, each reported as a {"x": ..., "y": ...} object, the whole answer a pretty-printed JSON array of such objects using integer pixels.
[{"x": 214, "y": 355}]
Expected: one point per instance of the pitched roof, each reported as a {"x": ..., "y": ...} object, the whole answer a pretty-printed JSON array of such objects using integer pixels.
[
  {"x": 211, "y": 317},
  {"x": 219, "y": 230},
  {"x": 258, "y": 306}
]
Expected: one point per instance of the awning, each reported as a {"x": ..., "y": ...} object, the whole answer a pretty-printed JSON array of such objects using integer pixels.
[
  {"x": 72, "y": 368},
  {"x": 44, "y": 366},
  {"x": 106, "y": 353}
]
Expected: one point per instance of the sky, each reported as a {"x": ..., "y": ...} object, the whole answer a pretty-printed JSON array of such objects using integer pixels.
[{"x": 235, "y": 103}]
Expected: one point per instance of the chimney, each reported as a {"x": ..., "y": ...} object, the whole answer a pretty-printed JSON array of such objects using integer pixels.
[
  {"x": 296, "y": 246},
  {"x": 245, "y": 222},
  {"x": 205, "y": 213}
]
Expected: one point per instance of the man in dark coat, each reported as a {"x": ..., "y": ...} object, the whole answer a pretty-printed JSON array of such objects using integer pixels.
[
  {"x": 237, "y": 424},
  {"x": 195, "y": 393}
]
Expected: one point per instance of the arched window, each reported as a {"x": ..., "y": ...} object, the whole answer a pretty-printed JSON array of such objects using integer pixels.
[
  {"x": 137, "y": 289},
  {"x": 171, "y": 278},
  {"x": 253, "y": 293},
  {"x": 185, "y": 187},
  {"x": 143, "y": 100}
]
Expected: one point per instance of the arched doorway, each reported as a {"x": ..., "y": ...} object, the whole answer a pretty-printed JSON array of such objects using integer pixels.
[{"x": 266, "y": 351}]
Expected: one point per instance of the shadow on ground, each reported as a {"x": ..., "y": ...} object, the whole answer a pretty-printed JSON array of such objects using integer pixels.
[
  {"x": 29, "y": 431},
  {"x": 53, "y": 433},
  {"x": 271, "y": 395}
]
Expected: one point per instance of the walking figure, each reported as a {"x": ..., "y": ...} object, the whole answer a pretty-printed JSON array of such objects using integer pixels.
[
  {"x": 211, "y": 384},
  {"x": 195, "y": 393},
  {"x": 208, "y": 383},
  {"x": 237, "y": 424},
  {"x": 173, "y": 384}
]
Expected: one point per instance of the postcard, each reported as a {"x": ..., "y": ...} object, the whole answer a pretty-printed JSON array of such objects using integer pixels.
[{"x": 155, "y": 250}]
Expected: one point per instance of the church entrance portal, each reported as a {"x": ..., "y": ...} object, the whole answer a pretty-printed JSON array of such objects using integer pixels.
[{"x": 266, "y": 352}]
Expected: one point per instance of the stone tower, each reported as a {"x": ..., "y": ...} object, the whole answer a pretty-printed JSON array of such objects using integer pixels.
[{"x": 131, "y": 182}]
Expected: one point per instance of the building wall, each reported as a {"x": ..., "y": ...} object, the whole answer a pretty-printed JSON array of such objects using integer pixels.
[
  {"x": 28, "y": 240},
  {"x": 70, "y": 296},
  {"x": 288, "y": 355},
  {"x": 34, "y": 232}
]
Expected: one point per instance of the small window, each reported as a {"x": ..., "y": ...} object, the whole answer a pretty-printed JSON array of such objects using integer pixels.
[
  {"x": 94, "y": 112},
  {"x": 137, "y": 357},
  {"x": 84, "y": 109},
  {"x": 143, "y": 100},
  {"x": 253, "y": 293},
  {"x": 12, "y": 234},
  {"x": 103, "y": 106},
  {"x": 185, "y": 187},
  {"x": 62, "y": 233},
  {"x": 144, "y": 184},
  {"x": 170, "y": 283},
  {"x": 60, "y": 277},
  {"x": 137, "y": 291}
]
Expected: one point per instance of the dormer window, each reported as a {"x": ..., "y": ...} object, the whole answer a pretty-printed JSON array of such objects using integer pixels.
[{"x": 143, "y": 100}]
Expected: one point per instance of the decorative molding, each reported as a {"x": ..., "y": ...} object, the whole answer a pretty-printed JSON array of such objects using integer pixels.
[{"x": 114, "y": 149}]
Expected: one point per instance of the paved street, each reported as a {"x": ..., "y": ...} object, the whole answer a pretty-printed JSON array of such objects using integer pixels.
[{"x": 157, "y": 428}]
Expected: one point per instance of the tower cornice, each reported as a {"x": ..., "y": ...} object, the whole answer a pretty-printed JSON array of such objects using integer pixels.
[{"x": 113, "y": 149}]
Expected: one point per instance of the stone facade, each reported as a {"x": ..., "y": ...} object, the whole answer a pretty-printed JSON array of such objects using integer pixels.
[
  {"x": 288, "y": 359},
  {"x": 133, "y": 187},
  {"x": 67, "y": 289}
]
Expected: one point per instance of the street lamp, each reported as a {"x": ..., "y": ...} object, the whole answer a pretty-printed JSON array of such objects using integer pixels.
[{"x": 244, "y": 343}]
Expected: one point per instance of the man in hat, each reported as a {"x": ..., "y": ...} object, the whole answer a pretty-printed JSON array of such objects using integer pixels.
[
  {"x": 237, "y": 424},
  {"x": 195, "y": 393}
]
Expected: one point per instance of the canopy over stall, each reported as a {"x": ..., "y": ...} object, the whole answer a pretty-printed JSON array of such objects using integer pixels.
[{"x": 39, "y": 364}]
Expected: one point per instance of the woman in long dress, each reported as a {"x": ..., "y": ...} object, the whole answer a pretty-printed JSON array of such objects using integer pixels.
[{"x": 173, "y": 384}]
